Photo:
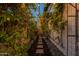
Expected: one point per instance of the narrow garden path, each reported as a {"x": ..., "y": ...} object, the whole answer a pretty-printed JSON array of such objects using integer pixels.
[{"x": 40, "y": 48}]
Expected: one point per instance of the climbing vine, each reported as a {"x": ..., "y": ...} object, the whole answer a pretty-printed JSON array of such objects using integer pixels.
[
  {"x": 57, "y": 21},
  {"x": 14, "y": 28}
]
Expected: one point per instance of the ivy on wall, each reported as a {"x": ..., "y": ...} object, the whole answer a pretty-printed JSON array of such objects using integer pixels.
[{"x": 57, "y": 21}]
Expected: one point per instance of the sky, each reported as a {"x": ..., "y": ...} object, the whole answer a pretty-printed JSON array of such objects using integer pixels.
[
  {"x": 37, "y": 10},
  {"x": 41, "y": 8}
]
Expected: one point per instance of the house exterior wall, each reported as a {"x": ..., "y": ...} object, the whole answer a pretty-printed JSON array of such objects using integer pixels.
[
  {"x": 71, "y": 33},
  {"x": 54, "y": 35},
  {"x": 64, "y": 33}
]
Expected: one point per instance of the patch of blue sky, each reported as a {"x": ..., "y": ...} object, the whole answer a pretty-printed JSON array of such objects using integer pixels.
[{"x": 35, "y": 13}]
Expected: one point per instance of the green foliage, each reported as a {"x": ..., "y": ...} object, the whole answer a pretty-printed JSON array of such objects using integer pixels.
[
  {"x": 13, "y": 19},
  {"x": 32, "y": 27},
  {"x": 62, "y": 24},
  {"x": 3, "y": 36},
  {"x": 57, "y": 21},
  {"x": 58, "y": 7}
]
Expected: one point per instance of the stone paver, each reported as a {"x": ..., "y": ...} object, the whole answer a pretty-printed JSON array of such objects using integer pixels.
[
  {"x": 39, "y": 46},
  {"x": 39, "y": 51},
  {"x": 39, "y": 43},
  {"x": 40, "y": 40}
]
